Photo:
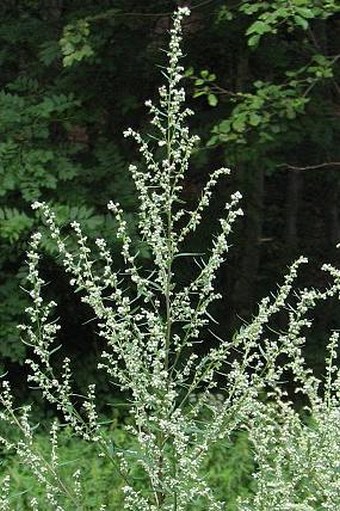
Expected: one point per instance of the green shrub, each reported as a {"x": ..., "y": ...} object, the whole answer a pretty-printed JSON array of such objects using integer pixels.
[{"x": 228, "y": 469}]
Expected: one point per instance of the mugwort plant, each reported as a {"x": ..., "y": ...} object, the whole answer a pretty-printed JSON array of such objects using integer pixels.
[{"x": 149, "y": 323}]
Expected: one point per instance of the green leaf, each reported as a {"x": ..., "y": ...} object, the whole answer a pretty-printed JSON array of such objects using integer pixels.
[
  {"x": 305, "y": 12},
  {"x": 212, "y": 99},
  {"x": 254, "y": 119},
  {"x": 254, "y": 40},
  {"x": 199, "y": 82},
  {"x": 199, "y": 93},
  {"x": 224, "y": 14},
  {"x": 321, "y": 59},
  {"x": 212, "y": 141},
  {"x": 251, "y": 8},
  {"x": 259, "y": 27},
  {"x": 224, "y": 126},
  {"x": 239, "y": 123},
  {"x": 189, "y": 72},
  {"x": 50, "y": 51},
  {"x": 258, "y": 84},
  {"x": 301, "y": 22}
]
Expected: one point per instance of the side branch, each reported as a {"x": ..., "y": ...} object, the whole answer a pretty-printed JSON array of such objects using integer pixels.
[{"x": 311, "y": 167}]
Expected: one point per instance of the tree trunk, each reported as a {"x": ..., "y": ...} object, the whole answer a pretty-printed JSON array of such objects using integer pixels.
[
  {"x": 245, "y": 293},
  {"x": 333, "y": 213},
  {"x": 292, "y": 209}
]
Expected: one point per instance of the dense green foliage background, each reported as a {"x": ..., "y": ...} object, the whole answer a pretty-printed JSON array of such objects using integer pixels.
[
  {"x": 262, "y": 77},
  {"x": 228, "y": 467}
]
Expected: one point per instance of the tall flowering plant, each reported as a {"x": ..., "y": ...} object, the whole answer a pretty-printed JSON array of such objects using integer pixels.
[{"x": 149, "y": 323}]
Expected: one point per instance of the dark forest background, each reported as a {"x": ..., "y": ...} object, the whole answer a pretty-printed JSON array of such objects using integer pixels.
[{"x": 263, "y": 80}]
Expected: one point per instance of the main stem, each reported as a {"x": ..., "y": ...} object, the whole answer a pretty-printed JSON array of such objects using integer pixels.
[
  {"x": 160, "y": 496},
  {"x": 169, "y": 235}
]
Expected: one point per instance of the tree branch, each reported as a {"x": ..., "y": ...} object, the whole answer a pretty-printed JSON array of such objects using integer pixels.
[{"x": 311, "y": 167}]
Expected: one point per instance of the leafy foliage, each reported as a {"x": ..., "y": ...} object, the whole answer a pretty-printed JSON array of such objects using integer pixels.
[
  {"x": 74, "y": 45},
  {"x": 13, "y": 224},
  {"x": 49, "y": 146},
  {"x": 263, "y": 113},
  {"x": 228, "y": 468}
]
